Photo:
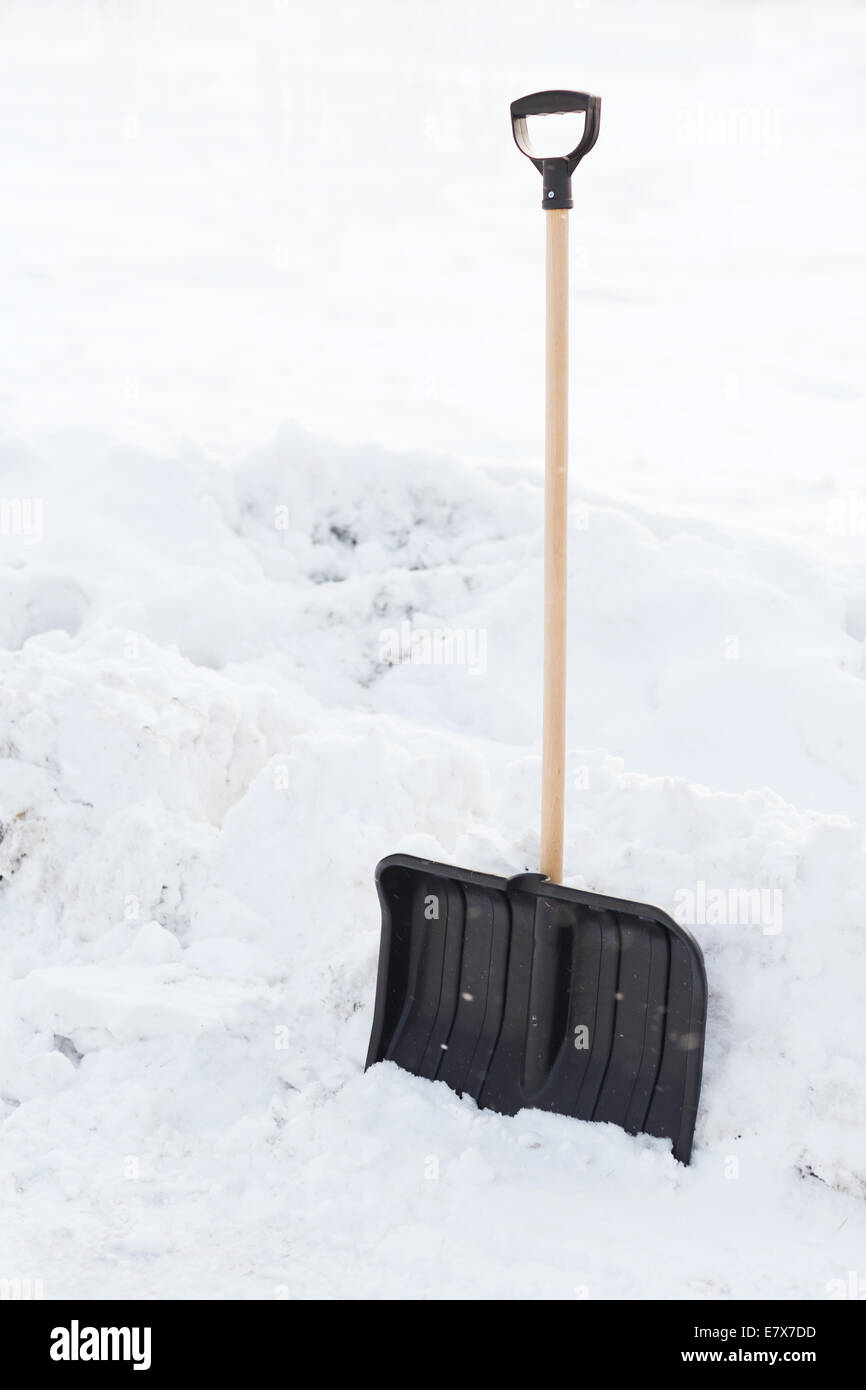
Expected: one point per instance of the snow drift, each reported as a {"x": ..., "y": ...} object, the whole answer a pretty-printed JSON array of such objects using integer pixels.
[{"x": 208, "y": 743}]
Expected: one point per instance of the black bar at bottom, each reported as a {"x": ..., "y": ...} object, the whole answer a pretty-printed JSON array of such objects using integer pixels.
[{"x": 165, "y": 1339}]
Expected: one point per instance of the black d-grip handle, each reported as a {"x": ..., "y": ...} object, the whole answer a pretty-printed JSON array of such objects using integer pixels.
[{"x": 556, "y": 171}]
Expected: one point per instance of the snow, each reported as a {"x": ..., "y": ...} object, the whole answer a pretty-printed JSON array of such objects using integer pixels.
[{"x": 269, "y": 422}]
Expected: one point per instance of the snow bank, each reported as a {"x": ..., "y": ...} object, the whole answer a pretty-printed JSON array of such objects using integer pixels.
[{"x": 209, "y": 743}]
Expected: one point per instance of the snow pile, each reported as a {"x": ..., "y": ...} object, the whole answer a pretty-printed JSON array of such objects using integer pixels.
[
  {"x": 211, "y": 721},
  {"x": 208, "y": 744}
]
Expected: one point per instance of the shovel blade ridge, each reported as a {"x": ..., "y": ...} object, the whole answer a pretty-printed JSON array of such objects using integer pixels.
[{"x": 525, "y": 994}]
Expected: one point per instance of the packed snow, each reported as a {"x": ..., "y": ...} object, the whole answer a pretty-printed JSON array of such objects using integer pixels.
[{"x": 225, "y": 690}]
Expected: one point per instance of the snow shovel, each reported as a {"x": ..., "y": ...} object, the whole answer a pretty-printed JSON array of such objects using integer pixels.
[{"x": 519, "y": 992}]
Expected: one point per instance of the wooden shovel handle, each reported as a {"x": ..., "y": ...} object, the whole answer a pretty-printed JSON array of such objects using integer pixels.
[
  {"x": 556, "y": 173},
  {"x": 555, "y": 545}
]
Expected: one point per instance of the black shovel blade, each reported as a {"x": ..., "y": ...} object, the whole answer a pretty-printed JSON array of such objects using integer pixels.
[{"x": 524, "y": 994}]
